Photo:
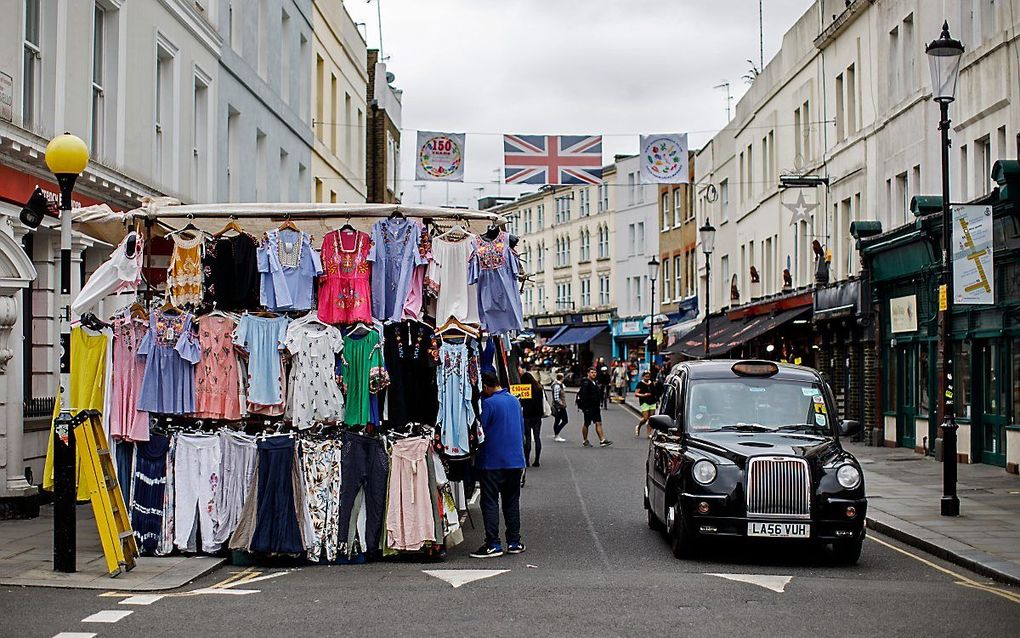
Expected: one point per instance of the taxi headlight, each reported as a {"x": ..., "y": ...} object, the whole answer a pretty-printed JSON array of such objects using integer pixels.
[
  {"x": 704, "y": 471},
  {"x": 848, "y": 476}
]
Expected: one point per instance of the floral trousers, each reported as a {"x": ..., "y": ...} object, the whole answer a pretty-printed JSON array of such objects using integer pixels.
[{"x": 320, "y": 462}]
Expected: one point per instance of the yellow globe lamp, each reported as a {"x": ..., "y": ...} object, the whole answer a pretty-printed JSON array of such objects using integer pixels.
[{"x": 67, "y": 155}]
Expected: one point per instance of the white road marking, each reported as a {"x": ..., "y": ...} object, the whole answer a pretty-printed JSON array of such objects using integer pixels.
[
  {"x": 775, "y": 583},
  {"x": 141, "y": 599},
  {"x": 223, "y": 590},
  {"x": 108, "y": 615},
  {"x": 587, "y": 518},
  {"x": 458, "y": 577},
  {"x": 74, "y": 634}
]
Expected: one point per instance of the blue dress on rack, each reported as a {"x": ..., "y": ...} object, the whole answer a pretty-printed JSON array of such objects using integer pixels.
[
  {"x": 494, "y": 266},
  {"x": 288, "y": 265},
  {"x": 171, "y": 351},
  {"x": 394, "y": 255}
]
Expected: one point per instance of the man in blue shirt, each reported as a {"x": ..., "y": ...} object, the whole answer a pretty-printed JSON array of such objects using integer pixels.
[{"x": 499, "y": 464}]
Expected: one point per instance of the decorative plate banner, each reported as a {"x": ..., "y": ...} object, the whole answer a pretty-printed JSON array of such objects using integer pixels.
[
  {"x": 440, "y": 157},
  {"x": 664, "y": 159}
]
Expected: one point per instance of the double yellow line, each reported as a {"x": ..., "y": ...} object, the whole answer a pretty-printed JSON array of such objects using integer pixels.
[{"x": 961, "y": 580}]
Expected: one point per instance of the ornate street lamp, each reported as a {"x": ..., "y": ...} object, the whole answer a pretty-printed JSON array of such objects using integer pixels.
[
  {"x": 653, "y": 274},
  {"x": 944, "y": 57},
  {"x": 66, "y": 156},
  {"x": 707, "y": 233}
]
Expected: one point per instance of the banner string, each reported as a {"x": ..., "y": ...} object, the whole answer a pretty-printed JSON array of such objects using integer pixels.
[{"x": 490, "y": 133}]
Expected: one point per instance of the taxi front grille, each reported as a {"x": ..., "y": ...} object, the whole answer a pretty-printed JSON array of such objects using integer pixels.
[{"x": 778, "y": 486}]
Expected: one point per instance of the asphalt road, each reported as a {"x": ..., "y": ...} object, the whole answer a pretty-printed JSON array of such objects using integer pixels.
[{"x": 592, "y": 568}]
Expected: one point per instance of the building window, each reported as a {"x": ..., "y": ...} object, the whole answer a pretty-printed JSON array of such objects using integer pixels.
[
  {"x": 98, "y": 79},
  {"x": 678, "y": 201},
  {"x": 689, "y": 274},
  {"x": 233, "y": 155},
  {"x": 261, "y": 167},
  {"x": 164, "y": 113},
  {"x": 601, "y": 194},
  {"x": 962, "y": 377},
  {"x": 603, "y": 290},
  {"x": 983, "y": 165},
  {"x": 665, "y": 281},
  {"x": 664, "y": 210},
  {"x": 540, "y": 249},
  {"x": 200, "y": 137},
  {"x": 586, "y": 292},
  {"x": 285, "y": 49},
  {"x": 851, "y": 100},
  {"x": 724, "y": 200},
  {"x": 541, "y": 298},
  {"x": 840, "y": 121},
  {"x": 605, "y": 199},
  {"x": 678, "y": 288},
  {"x": 585, "y": 201},
  {"x": 320, "y": 97},
  {"x": 284, "y": 175},
  {"x": 348, "y": 131},
  {"x": 334, "y": 107},
  {"x": 263, "y": 42},
  {"x": 540, "y": 216},
  {"x": 585, "y": 242},
  {"x": 603, "y": 241},
  {"x": 31, "y": 78},
  {"x": 923, "y": 370},
  {"x": 234, "y": 25}
]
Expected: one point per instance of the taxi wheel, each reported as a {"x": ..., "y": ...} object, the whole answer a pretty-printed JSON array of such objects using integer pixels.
[
  {"x": 848, "y": 552},
  {"x": 654, "y": 523},
  {"x": 681, "y": 541}
]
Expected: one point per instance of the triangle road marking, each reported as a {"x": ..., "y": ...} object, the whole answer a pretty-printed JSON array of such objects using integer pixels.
[
  {"x": 775, "y": 583},
  {"x": 458, "y": 577}
]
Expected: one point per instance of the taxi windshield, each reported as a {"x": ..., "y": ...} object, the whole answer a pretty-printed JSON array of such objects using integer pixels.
[{"x": 756, "y": 405}]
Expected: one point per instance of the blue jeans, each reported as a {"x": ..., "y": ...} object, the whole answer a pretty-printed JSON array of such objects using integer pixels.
[{"x": 502, "y": 485}]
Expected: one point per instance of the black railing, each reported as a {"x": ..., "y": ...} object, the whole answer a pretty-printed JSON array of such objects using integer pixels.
[{"x": 38, "y": 407}]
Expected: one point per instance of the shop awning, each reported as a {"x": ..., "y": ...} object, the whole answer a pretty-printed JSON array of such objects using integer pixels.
[
  {"x": 574, "y": 335},
  {"x": 727, "y": 335}
]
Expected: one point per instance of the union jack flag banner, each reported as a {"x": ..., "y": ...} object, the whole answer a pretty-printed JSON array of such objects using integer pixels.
[{"x": 552, "y": 159}]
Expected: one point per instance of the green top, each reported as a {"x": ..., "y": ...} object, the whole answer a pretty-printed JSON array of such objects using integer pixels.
[{"x": 361, "y": 354}]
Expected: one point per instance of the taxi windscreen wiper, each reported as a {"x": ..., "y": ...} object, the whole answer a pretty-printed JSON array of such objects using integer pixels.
[
  {"x": 746, "y": 427},
  {"x": 801, "y": 427}
]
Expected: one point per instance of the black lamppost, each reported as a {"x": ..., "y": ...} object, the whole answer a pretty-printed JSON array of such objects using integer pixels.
[
  {"x": 944, "y": 57},
  {"x": 653, "y": 274},
  {"x": 67, "y": 156},
  {"x": 707, "y": 246}
]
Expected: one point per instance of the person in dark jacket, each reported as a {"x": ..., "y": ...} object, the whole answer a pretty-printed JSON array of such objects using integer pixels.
[
  {"x": 534, "y": 409},
  {"x": 589, "y": 400}
]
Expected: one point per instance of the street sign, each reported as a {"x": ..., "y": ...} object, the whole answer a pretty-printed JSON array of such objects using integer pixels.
[
  {"x": 521, "y": 390},
  {"x": 973, "y": 263}
]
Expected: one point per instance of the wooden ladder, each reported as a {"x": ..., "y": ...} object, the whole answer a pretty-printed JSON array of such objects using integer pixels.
[{"x": 111, "y": 514}]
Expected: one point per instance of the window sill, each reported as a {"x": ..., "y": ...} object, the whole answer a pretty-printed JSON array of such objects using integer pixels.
[{"x": 602, "y": 259}]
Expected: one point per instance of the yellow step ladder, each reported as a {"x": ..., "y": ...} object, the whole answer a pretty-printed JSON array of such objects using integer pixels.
[{"x": 111, "y": 514}]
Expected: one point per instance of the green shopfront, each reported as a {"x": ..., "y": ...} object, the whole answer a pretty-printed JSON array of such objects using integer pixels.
[{"x": 904, "y": 268}]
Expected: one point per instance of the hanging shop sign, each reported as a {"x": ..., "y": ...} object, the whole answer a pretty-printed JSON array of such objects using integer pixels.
[
  {"x": 973, "y": 276},
  {"x": 903, "y": 314},
  {"x": 440, "y": 157},
  {"x": 800, "y": 210},
  {"x": 521, "y": 390},
  {"x": 664, "y": 159}
]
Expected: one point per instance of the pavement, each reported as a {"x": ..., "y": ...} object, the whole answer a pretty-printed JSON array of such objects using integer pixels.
[
  {"x": 592, "y": 568},
  {"x": 904, "y": 491},
  {"x": 26, "y": 559}
]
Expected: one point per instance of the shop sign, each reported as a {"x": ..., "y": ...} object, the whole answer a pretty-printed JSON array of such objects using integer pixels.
[
  {"x": 973, "y": 266},
  {"x": 630, "y": 327},
  {"x": 604, "y": 316},
  {"x": 903, "y": 314},
  {"x": 521, "y": 390},
  {"x": 6, "y": 97},
  {"x": 541, "y": 322}
]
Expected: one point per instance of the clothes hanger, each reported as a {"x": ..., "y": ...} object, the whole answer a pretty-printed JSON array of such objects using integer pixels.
[
  {"x": 492, "y": 232},
  {"x": 347, "y": 225},
  {"x": 168, "y": 306},
  {"x": 397, "y": 215},
  {"x": 360, "y": 328},
  {"x": 188, "y": 228},
  {"x": 456, "y": 230},
  {"x": 454, "y": 324},
  {"x": 138, "y": 311},
  {"x": 232, "y": 225},
  {"x": 288, "y": 224}
]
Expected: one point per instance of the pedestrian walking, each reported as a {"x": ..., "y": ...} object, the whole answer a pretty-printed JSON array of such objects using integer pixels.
[
  {"x": 645, "y": 394},
  {"x": 602, "y": 376},
  {"x": 499, "y": 465},
  {"x": 534, "y": 410},
  {"x": 620, "y": 380},
  {"x": 559, "y": 407},
  {"x": 589, "y": 400}
]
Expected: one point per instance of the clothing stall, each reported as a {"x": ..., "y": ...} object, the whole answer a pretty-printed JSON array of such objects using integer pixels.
[{"x": 305, "y": 379}]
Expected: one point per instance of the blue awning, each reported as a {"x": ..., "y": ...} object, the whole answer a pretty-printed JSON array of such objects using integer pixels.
[{"x": 574, "y": 335}]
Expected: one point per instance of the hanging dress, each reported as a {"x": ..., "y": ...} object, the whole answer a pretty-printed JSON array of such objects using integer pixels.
[
  {"x": 394, "y": 255},
  {"x": 345, "y": 294},
  {"x": 288, "y": 266},
  {"x": 216, "y": 379},
  {"x": 411, "y": 352},
  {"x": 494, "y": 267},
  {"x": 231, "y": 273},
  {"x": 457, "y": 376},
  {"x": 449, "y": 272},
  {"x": 315, "y": 396},
  {"x": 361, "y": 357},
  {"x": 171, "y": 352},
  {"x": 263, "y": 339},
  {"x": 126, "y": 421},
  {"x": 415, "y": 299},
  {"x": 185, "y": 273},
  {"x": 122, "y": 271}
]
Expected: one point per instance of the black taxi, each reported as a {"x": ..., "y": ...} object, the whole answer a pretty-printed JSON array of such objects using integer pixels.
[{"x": 751, "y": 449}]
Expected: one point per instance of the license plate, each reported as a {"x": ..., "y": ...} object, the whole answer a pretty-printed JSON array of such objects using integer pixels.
[{"x": 779, "y": 530}]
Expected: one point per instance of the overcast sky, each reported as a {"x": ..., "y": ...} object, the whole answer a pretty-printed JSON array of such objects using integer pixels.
[{"x": 610, "y": 67}]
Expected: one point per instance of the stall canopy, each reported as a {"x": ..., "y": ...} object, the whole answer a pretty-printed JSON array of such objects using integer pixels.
[
  {"x": 728, "y": 334},
  {"x": 571, "y": 335}
]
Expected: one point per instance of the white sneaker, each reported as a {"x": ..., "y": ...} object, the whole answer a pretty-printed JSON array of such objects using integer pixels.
[{"x": 560, "y": 439}]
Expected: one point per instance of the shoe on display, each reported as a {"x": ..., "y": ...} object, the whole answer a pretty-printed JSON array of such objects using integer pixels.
[
  {"x": 586, "y": 444},
  {"x": 488, "y": 551},
  {"x": 515, "y": 548},
  {"x": 605, "y": 443}
]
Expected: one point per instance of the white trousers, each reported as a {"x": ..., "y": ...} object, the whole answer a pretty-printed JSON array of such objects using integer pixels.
[{"x": 196, "y": 483}]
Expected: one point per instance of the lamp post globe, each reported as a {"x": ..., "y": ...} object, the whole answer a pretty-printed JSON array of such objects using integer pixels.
[
  {"x": 944, "y": 55},
  {"x": 67, "y": 154}
]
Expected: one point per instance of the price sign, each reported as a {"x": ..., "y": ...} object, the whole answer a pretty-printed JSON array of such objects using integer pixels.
[
  {"x": 943, "y": 301},
  {"x": 521, "y": 390}
]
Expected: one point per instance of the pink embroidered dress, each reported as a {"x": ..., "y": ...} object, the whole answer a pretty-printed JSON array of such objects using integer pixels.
[
  {"x": 127, "y": 422},
  {"x": 345, "y": 290},
  {"x": 216, "y": 378}
]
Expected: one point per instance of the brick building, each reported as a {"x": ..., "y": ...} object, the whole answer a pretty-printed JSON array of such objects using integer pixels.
[{"x": 382, "y": 169}]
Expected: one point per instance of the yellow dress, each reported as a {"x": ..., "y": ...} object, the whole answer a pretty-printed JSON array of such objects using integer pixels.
[
  {"x": 88, "y": 385},
  {"x": 184, "y": 276}
]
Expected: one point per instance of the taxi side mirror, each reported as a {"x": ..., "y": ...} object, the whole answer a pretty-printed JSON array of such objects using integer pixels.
[
  {"x": 849, "y": 427},
  {"x": 662, "y": 423}
]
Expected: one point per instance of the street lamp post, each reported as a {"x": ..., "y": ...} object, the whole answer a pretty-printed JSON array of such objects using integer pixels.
[
  {"x": 653, "y": 274},
  {"x": 707, "y": 246},
  {"x": 66, "y": 156},
  {"x": 944, "y": 56}
]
